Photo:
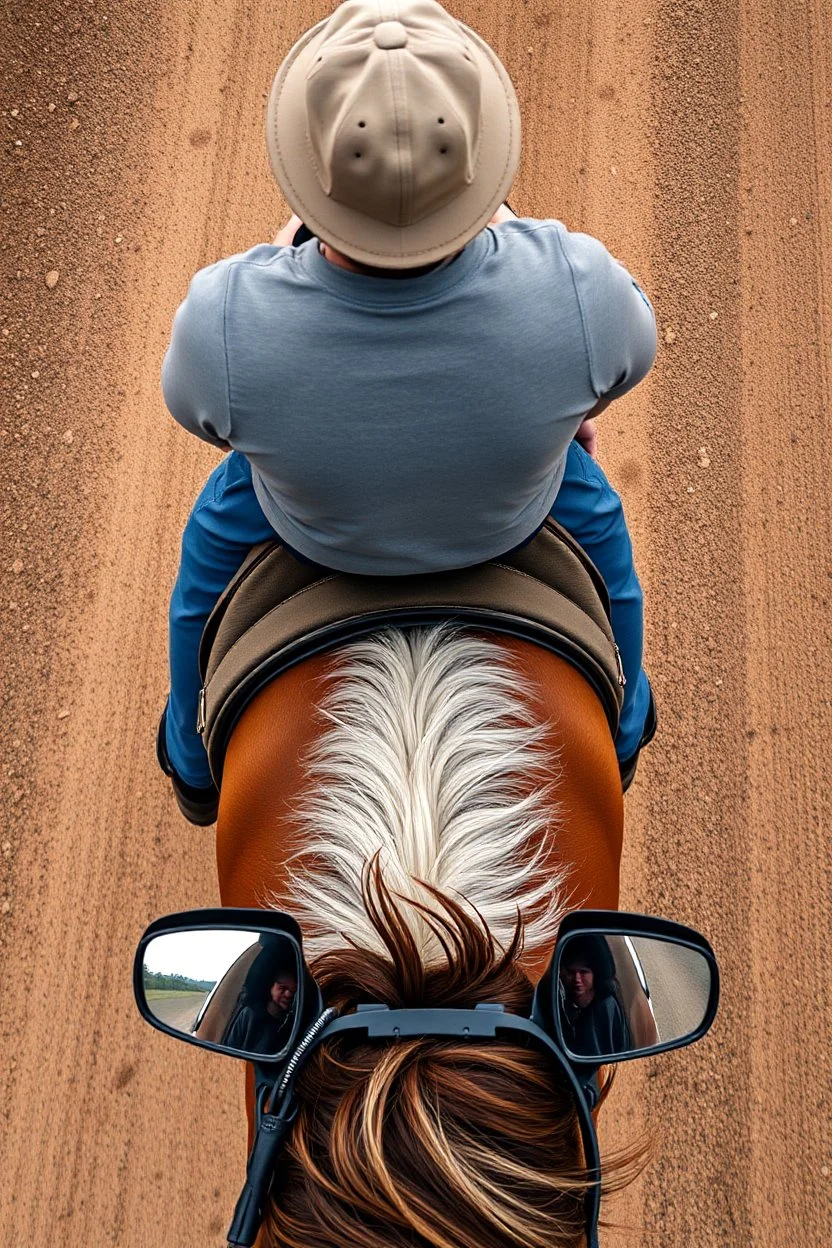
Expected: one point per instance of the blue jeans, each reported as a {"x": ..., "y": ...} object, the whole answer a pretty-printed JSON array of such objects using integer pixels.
[{"x": 227, "y": 521}]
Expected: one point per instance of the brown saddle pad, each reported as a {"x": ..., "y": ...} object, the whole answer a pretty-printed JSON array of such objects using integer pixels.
[{"x": 278, "y": 611}]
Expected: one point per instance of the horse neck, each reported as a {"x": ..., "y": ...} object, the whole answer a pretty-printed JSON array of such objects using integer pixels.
[{"x": 484, "y": 767}]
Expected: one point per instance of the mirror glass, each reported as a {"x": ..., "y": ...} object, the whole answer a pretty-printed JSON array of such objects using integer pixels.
[
  {"x": 629, "y": 994},
  {"x": 236, "y": 989}
]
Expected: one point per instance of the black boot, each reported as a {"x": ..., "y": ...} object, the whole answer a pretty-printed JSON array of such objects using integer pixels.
[{"x": 199, "y": 806}]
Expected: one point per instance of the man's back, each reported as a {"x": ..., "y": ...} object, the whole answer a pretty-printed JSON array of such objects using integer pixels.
[{"x": 404, "y": 426}]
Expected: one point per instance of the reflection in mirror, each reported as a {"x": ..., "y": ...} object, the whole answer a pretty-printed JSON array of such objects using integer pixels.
[
  {"x": 231, "y": 988},
  {"x": 629, "y": 994}
]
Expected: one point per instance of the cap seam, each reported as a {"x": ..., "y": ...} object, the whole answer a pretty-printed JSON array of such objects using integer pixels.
[{"x": 395, "y": 78}]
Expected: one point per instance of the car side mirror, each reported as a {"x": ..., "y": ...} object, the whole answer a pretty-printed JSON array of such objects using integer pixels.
[
  {"x": 621, "y": 986},
  {"x": 229, "y": 980}
]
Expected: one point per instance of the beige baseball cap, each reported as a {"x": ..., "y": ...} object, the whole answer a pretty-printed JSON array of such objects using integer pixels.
[{"x": 393, "y": 132}]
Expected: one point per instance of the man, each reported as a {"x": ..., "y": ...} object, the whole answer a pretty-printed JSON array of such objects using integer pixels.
[
  {"x": 264, "y": 1021},
  {"x": 400, "y": 392},
  {"x": 593, "y": 1020}
]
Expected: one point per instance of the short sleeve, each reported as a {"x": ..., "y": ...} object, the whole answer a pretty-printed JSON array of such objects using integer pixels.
[
  {"x": 194, "y": 370},
  {"x": 619, "y": 322}
]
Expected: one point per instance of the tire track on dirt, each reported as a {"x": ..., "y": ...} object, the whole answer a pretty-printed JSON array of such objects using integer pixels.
[
  {"x": 785, "y": 196},
  {"x": 698, "y": 789},
  {"x": 108, "y": 852}
]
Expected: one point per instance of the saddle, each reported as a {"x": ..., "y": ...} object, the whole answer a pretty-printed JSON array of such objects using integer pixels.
[{"x": 277, "y": 611}]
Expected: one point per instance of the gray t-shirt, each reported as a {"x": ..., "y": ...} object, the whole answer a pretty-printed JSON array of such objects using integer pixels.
[{"x": 405, "y": 425}]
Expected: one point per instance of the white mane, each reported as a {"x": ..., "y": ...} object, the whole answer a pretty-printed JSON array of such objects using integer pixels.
[{"x": 433, "y": 755}]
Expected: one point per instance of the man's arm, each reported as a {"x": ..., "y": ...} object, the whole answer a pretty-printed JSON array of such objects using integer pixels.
[
  {"x": 194, "y": 370},
  {"x": 285, "y": 236},
  {"x": 619, "y": 325},
  {"x": 618, "y": 319}
]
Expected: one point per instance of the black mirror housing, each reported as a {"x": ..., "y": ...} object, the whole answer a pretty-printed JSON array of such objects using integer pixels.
[
  {"x": 621, "y": 986},
  {"x": 186, "y": 1014}
]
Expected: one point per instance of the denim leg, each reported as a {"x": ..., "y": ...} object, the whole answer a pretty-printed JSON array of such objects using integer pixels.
[
  {"x": 589, "y": 508},
  {"x": 225, "y": 523}
]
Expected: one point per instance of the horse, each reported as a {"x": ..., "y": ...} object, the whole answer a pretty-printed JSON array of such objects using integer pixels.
[{"x": 428, "y": 802}]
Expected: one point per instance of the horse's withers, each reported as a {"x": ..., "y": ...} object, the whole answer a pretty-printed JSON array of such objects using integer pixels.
[{"x": 265, "y": 777}]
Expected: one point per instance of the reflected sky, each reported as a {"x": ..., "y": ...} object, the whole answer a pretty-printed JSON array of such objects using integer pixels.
[{"x": 197, "y": 955}]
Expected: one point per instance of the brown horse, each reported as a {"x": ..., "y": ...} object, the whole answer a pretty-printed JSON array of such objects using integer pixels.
[{"x": 482, "y": 765}]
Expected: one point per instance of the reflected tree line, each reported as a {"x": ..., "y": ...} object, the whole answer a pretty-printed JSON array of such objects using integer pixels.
[{"x": 156, "y": 980}]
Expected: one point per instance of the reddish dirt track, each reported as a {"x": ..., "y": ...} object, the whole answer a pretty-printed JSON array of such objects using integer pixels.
[{"x": 695, "y": 139}]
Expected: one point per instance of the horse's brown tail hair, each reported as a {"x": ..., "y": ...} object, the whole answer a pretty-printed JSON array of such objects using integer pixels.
[{"x": 425, "y": 1142}]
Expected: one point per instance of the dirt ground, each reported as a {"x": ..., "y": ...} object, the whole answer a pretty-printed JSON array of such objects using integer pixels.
[{"x": 695, "y": 138}]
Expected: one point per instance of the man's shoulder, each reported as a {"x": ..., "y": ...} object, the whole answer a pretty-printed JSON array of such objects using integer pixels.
[
  {"x": 568, "y": 251},
  {"x": 215, "y": 277},
  {"x": 555, "y": 229},
  {"x": 584, "y": 253},
  {"x": 230, "y": 285},
  {"x": 261, "y": 255}
]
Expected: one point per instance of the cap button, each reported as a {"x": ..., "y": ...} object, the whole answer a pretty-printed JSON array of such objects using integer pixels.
[{"x": 390, "y": 35}]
